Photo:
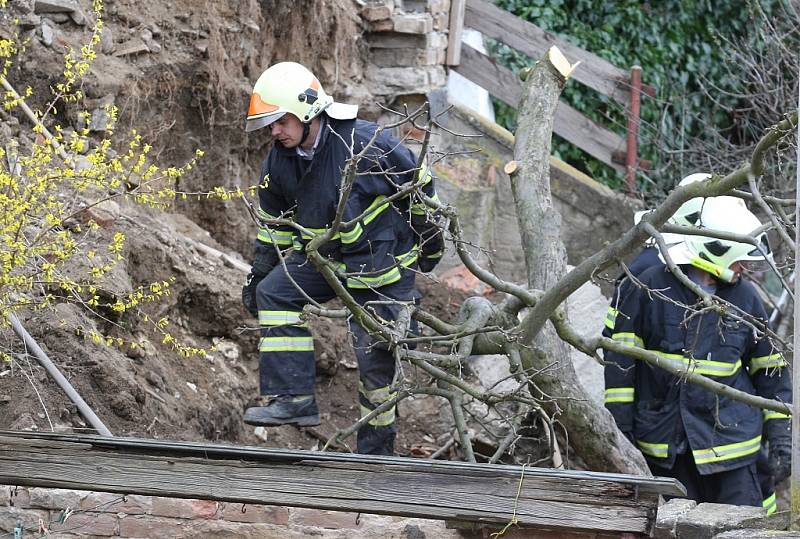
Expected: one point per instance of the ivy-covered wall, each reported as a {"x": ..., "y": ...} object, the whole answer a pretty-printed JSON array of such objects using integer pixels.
[{"x": 685, "y": 49}]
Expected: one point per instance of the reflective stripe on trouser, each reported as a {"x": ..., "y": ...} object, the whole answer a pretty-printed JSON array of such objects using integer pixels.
[{"x": 287, "y": 351}]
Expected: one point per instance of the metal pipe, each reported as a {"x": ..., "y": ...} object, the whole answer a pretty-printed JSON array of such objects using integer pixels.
[
  {"x": 631, "y": 159},
  {"x": 62, "y": 382}
]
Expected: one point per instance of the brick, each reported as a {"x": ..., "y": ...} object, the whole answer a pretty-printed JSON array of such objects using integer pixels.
[
  {"x": 381, "y": 26},
  {"x": 107, "y": 502},
  {"x": 5, "y": 495},
  {"x": 323, "y": 519},
  {"x": 395, "y": 40},
  {"x": 377, "y": 11},
  {"x": 261, "y": 514},
  {"x": 188, "y": 509},
  {"x": 404, "y": 57},
  {"x": 95, "y": 524},
  {"x": 147, "y": 526},
  {"x": 55, "y": 498},
  {"x": 441, "y": 21},
  {"x": 413, "y": 23},
  {"x": 220, "y": 529}
]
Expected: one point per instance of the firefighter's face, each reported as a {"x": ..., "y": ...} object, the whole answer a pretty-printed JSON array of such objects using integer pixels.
[{"x": 287, "y": 130}]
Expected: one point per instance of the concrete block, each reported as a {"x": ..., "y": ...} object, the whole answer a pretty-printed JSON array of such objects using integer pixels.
[
  {"x": 188, "y": 509},
  {"x": 317, "y": 518},
  {"x": 85, "y": 524},
  {"x": 668, "y": 515},
  {"x": 146, "y": 526},
  {"x": 260, "y": 514},
  {"x": 709, "y": 519},
  {"x": 413, "y": 23},
  {"x": 399, "y": 80}
]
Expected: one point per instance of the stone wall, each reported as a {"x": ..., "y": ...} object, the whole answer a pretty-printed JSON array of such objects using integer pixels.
[
  {"x": 470, "y": 176},
  {"x": 407, "y": 42},
  {"x": 95, "y": 514}
]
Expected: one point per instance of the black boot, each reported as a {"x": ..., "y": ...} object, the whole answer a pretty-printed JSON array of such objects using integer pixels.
[{"x": 300, "y": 410}]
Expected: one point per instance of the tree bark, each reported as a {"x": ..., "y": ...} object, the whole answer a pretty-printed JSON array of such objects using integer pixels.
[{"x": 592, "y": 430}]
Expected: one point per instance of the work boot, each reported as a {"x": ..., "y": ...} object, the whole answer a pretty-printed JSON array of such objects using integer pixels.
[{"x": 300, "y": 410}]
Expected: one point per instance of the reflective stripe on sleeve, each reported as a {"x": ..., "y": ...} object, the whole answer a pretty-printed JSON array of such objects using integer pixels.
[
  {"x": 383, "y": 419},
  {"x": 286, "y": 344},
  {"x": 378, "y": 395},
  {"x": 767, "y": 362},
  {"x": 770, "y": 414},
  {"x": 619, "y": 394},
  {"x": 769, "y": 504},
  {"x": 388, "y": 277},
  {"x": 611, "y": 317},
  {"x": 278, "y": 237},
  {"x": 727, "y": 452},
  {"x": 660, "y": 451},
  {"x": 628, "y": 339}
]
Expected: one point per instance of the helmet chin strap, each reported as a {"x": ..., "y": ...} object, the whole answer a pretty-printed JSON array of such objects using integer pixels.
[{"x": 306, "y": 129}]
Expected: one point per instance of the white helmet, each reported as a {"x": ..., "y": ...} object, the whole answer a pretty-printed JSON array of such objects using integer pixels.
[
  {"x": 290, "y": 87},
  {"x": 715, "y": 256}
]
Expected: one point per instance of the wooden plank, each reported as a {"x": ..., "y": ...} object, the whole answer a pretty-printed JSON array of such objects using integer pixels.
[
  {"x": 382, "y": 485},
  {"x": 594, "y": 72},
  {"x": 454, "y": 34},
  {"x": 569, "y": 124}
]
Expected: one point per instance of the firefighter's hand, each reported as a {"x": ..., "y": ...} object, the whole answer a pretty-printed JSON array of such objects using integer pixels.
[
  {"x": 249, "y": 292},
  {"x": 780, "y": 458},
  {"x": 432, "y": 251}
]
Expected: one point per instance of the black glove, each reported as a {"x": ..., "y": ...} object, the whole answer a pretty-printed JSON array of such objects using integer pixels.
[
  {"x": 780, "y": 459},
  {"x": 780, "y": 449},
  {"x": 266, "y": 258},
  {"x": 249, "y": 292},
  {"x": 431, "y": 240}
]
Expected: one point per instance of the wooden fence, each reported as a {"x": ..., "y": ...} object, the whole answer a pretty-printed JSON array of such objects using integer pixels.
[
  {"x": 618, "y": 152},
  {"x": 453, "y": 491}
]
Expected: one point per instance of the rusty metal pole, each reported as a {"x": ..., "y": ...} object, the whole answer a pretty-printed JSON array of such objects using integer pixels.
[
  {"x": 631, "y": 159},
  {"x": 795, "y": 476}
]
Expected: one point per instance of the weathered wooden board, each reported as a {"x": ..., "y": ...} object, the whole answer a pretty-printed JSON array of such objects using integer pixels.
[
  {"x": 455, "y": 31},
  {"x": 528, "y": 38},
  {"x": 383, "y": 485},
  {"x": 569, "y": 124}
]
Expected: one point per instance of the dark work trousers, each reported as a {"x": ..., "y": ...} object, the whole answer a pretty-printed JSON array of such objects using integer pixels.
[
  {"x": 739, "y": 486},
  {"x": 286, "y": 347}
]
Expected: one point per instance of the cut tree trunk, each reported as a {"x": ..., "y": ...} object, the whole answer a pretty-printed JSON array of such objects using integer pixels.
[{"x": 592, "y": 431}]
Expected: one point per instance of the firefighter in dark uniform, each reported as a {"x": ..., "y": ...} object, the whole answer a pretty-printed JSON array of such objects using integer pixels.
[
  {"x": 708, "y": 442},
  {"x": 301, "y": 180}
]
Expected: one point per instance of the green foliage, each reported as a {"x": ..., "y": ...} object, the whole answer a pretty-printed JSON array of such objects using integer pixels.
[{"x": 680, "y": 45}]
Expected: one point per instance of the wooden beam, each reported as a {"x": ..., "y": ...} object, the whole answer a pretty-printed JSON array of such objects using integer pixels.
[
  {"x": 342, "y": 482},
  {"x": 594, "y": 72},
  {"x": 455, "y": 31},
  {"x": 570, "y": 124}
]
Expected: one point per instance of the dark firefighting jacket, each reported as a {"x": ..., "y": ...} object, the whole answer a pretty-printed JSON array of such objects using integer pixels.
[
  {"x": 374, "y": 249},
  {"x": 666, "y": 415}
]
